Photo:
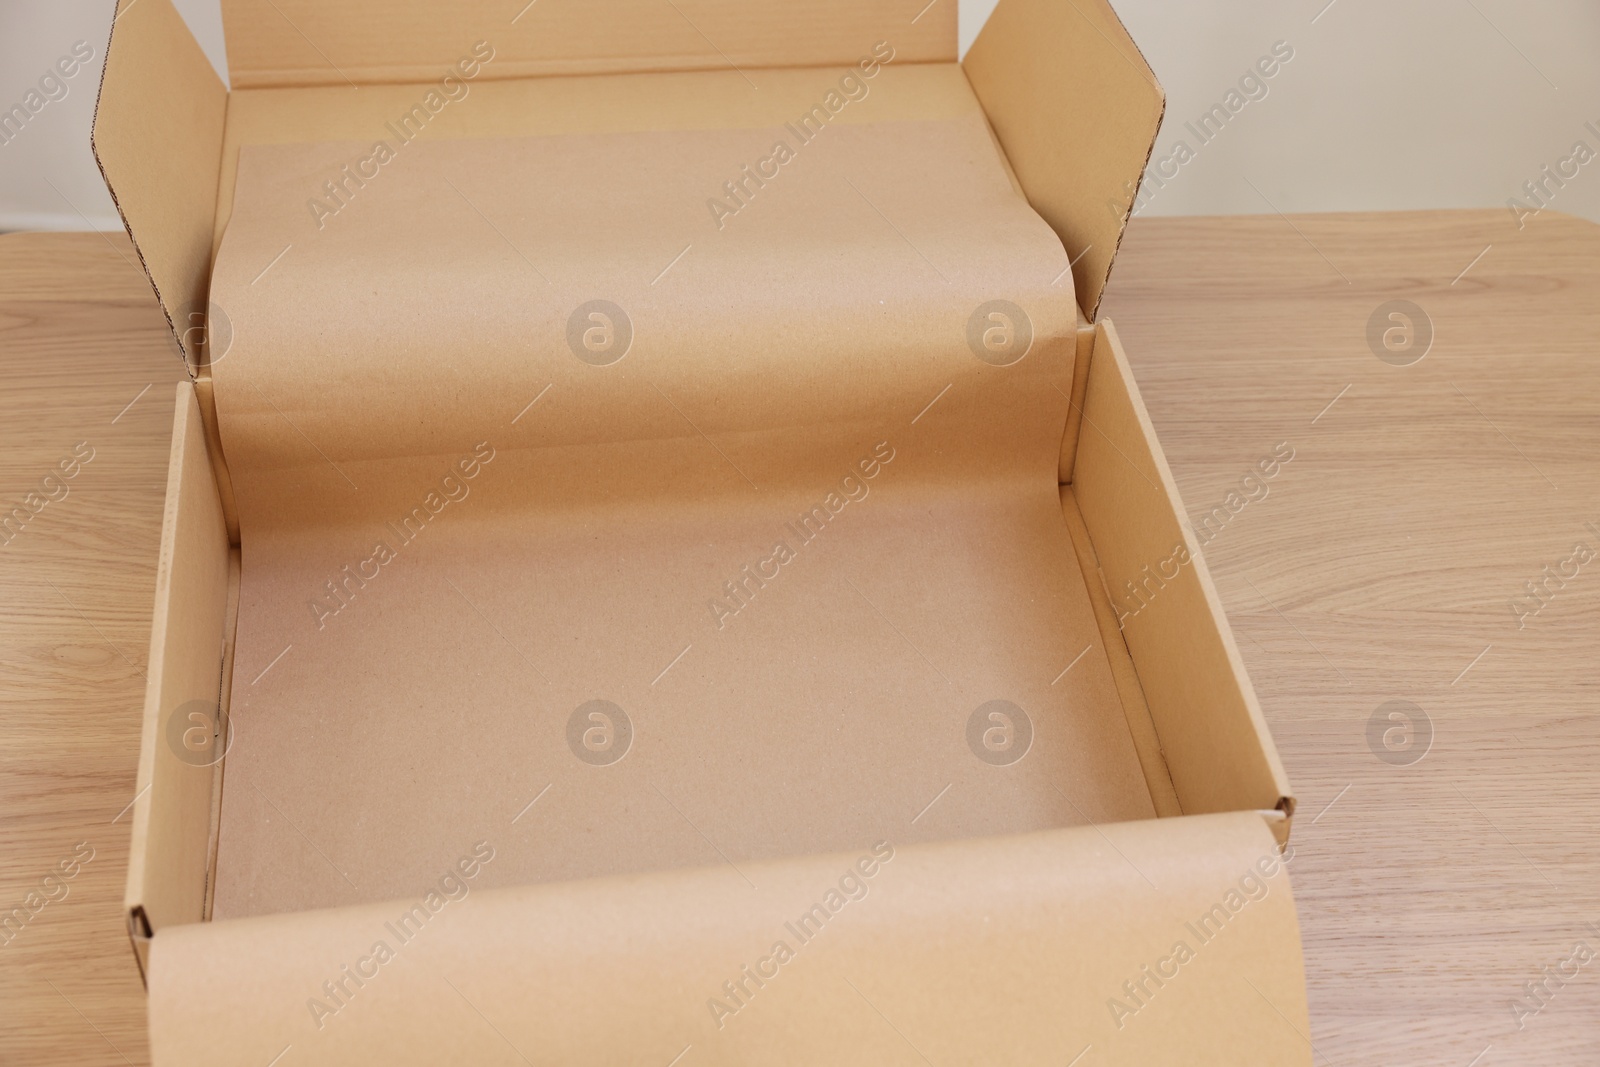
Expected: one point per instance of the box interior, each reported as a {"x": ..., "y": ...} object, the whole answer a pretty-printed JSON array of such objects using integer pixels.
[
  {"x": 799, "y": 534},
  {"x": 616, "y": 510}
]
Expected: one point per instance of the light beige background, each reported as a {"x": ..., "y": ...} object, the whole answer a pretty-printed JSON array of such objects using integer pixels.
[{"x": 1427, "y": 103}]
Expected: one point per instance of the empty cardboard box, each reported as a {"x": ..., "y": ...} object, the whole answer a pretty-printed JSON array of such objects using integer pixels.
[{"x": 662, "y": 562}]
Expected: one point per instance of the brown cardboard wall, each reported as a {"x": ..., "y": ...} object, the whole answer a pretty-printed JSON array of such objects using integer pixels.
[
  {"x": 1215, "y": 741},
  {"x": 179, "y": 747}
]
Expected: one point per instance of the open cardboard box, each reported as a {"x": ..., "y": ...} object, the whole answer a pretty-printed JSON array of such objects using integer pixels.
[{"x": 821, "y": 672}]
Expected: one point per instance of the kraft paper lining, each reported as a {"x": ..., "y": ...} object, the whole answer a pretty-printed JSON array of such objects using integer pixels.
[{"x": 525, "y": 430}]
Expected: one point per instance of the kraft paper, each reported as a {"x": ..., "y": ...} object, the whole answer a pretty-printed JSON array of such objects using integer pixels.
[
  {"x": 800, "y": 536},
  {"x": 1152, "y": 942}
]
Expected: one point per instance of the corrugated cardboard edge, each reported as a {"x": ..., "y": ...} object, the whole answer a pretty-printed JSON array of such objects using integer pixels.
[
  {"x": 1077, "y": 111},
  {"x": 1180, "y": 641},
  {"x": 169, "y": 855}
]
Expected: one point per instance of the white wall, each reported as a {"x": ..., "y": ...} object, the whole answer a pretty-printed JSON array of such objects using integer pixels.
[
  {"x": 1385, "y": 105},
  {"x": 1400, "y": 104},
  {"x": 48, "y": 177}
]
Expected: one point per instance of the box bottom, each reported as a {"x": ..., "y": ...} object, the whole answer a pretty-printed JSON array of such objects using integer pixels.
[{"x": 922, "y": 666}]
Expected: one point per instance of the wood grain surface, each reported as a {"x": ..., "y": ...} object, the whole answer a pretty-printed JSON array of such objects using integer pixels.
[
  {"x": 1380, "y": 564},
  {"x": 80, "y": 340}
]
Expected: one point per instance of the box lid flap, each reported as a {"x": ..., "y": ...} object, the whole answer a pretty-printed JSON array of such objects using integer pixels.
[
  {"x": 1072, "y": 102},
  {"x": 158, "y": 140},
  {"x": 1077, "y": 110},
  {"x": 274, "y": 43}
]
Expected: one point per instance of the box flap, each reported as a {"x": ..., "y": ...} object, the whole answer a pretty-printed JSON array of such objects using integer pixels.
[
  {"x": 597, "y": 104},
  {"x": 274, "y": 43},
  {"x": 158, "y": 139},
  {"x": 1071, "y": 100},
  {"x": 1077, "y": 110},
  {"x": 1160, "y": 941}
]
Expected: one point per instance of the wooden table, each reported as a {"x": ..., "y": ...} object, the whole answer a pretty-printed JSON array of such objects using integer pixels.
[
  {"x": 83, "y": 358},
  {"x": 1381, "y": 565}
]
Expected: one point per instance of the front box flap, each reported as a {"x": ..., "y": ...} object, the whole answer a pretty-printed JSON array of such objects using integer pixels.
[{"x": 1162, "y": 941}]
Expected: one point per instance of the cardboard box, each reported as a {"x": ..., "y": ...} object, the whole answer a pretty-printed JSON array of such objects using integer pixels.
[{"x": 633, "y": 591}]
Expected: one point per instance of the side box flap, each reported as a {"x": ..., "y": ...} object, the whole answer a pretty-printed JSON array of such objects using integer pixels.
[
  {"x": 183, "y": 736},
  {"x": 158, "y": 139},
  {"x": 1216, "y": 742},
  {"x": 1077, "y": 110}
]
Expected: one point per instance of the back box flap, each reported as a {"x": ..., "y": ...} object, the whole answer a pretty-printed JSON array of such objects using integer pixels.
[
  {"x": 274, "y": 43},
  {"x": 1075, "y": 107}
]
